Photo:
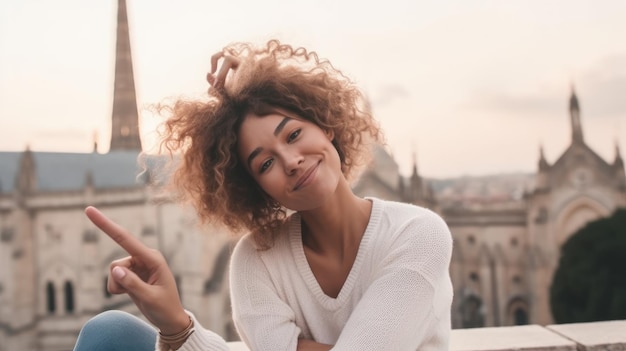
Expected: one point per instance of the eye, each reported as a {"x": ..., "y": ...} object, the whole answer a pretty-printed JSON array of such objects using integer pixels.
[
  {"x": 293, "y": 135},
  {"x": 265, "y": 165}
]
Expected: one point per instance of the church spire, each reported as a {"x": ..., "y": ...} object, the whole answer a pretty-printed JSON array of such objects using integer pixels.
[
  {"x": 26, "y": 181},
  {"x": 618, "y": 157},
  {"x": 543, "y": 163},
  {"x": 415, "y": 173},
  {"x": 125, "y": 118},
  {"x": 574, "y": 111}
]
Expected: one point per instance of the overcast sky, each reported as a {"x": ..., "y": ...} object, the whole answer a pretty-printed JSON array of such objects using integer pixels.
[{"x": 470, "y": 87}]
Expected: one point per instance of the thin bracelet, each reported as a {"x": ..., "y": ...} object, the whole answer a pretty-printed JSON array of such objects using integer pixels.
[{"x": 178, "y": 338}]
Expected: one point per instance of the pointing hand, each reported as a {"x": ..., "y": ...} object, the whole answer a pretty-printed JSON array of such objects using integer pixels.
[{"x": 144, "y": 276}]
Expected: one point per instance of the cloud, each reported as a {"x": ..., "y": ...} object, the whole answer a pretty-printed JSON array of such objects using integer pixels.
[
  {"x": 600, "y": 89},
  {"x": 519, "y": 105},
  {"x": 386, "y": 94},
  {"x": 604, "y": 88}
]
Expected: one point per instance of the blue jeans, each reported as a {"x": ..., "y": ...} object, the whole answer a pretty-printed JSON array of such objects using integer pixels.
[{"x": 116, "y": 331}]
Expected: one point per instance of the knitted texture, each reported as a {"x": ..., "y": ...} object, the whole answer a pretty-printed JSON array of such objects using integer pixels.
[{"x": 397, "y": 295}]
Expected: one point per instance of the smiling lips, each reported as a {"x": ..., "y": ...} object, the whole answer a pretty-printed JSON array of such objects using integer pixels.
[{"x": 307, "y": 177}]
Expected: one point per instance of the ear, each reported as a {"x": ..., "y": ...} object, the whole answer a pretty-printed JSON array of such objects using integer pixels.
[{"x": 330, "y": 134}]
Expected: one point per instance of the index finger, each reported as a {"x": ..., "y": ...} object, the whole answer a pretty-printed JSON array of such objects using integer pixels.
[{"x": 124, "y": 239}]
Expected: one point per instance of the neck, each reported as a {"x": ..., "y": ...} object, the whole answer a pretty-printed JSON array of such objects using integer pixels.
[{"x": 338, "y": 226}]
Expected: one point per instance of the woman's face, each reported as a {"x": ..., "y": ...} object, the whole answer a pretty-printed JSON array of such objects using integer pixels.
[{"x": 293, "y": 160}]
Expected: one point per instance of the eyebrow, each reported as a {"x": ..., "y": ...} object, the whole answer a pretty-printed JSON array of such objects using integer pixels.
[
  {"x": 253, "y": 154},
  {"x": 281, "y": 125},
  {"x": 277, "y": 131}
]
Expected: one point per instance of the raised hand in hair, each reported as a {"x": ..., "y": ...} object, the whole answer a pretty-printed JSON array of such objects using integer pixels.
[{"x": 218, "y": 80}]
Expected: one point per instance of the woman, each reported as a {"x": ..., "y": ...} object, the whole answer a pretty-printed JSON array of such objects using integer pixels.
[{"x": 271, "y": 153}]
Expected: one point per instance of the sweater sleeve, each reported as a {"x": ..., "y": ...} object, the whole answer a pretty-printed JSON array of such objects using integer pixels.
[
  {"x": 200, "y": 340},
  {"x": 407, "y": 305},
  {"x": 263, "y": 320}
]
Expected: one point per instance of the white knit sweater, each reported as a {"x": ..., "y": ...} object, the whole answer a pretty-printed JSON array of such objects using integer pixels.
[{"x": 396, "y": 297}]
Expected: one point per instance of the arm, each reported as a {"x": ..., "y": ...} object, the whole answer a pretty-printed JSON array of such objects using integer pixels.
[
  {"x": 146, "y": 278},
  {"x": 309, "y": 345},
  {"x": 263, "y": 320},
  {"x": 407, "y": 306}
]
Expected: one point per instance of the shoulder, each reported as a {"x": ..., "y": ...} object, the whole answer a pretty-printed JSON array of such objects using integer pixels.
[
  {"x": 245, "y": 247},
  {"x": 414, "y": 233},
  {"x": 403, "y": 217},
  {"x": 248, "y": 254}
]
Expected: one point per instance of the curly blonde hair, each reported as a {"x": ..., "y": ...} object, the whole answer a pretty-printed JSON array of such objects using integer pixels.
[{"x": 209, "y": 173}]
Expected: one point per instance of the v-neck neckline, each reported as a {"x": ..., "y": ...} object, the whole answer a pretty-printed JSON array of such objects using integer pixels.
[{"x": 297, "y": 248}]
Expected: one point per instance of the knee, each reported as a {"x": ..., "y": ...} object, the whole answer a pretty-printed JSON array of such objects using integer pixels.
[
  {"x": 116, "y": 330},
  {"x": 109, "y": 321}
]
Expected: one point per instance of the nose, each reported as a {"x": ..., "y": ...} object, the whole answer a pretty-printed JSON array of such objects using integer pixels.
[{"x": 292, "y": 162}]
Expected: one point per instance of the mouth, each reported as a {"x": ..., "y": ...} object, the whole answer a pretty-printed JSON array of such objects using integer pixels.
[{"x": 307, "y": 177}]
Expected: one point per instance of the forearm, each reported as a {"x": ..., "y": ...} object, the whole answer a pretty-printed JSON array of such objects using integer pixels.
[{"x": 309, "y": 345}]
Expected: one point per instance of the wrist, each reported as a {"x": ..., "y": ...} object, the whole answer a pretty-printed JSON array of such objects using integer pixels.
[
  {"x": 176, "y": 325},
  {"x": 175, "y": 341}
]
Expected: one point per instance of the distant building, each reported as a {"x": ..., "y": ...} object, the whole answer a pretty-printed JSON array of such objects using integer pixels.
[
  {"x": 54, "y": 263},
  {"x": 507, "y": 246},
  {"x": 506, "y": 254}
]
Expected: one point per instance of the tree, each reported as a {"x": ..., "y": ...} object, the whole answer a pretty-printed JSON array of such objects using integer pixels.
[{"x": 590, "y": 281}]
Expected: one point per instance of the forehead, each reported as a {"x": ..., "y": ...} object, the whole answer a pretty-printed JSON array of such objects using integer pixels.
[
  {"x": 253, "y": 126},
  {"x": 254, "y": 129}
]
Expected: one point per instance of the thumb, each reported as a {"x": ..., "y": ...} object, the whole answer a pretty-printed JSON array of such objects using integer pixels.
[{"x": 129, "y": 280}]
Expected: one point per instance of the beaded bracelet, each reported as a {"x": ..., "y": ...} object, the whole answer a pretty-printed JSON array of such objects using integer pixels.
[{"x": 176, "y": 340}]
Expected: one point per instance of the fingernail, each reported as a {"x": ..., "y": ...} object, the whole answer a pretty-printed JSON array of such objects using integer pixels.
[{"x": 118, "y": 273}]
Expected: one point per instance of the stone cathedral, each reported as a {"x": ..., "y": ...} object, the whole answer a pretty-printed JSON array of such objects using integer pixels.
[{"x": 54, "y": 263}]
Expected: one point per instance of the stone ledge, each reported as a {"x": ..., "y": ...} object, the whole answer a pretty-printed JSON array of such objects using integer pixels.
[
  {"x": 596, "y": 336},
  {"x": 526, "y": 338},
  {"x": 609, "y": 336}
]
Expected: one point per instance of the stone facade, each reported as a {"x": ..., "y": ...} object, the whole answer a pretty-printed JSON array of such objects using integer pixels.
[
  {"x": 54, "y": 262},
  {"x": 507, "y": 252},
  {"x": 506, "y": 249}
]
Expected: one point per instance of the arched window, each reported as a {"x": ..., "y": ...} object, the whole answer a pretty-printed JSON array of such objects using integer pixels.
[
  {"x": 50, "y": 298},
  {"x": 518, "y": 311},
  {"x": 520, "y": 317},
  {"x": 472, "y": 312},
  {"x": 215, "y": 282},
  {"x": 471, "y": 239},
  {"x": 474, "y": 277},
  {"x": 69, "y": 297},
  {"x": 107, "y": 294}
]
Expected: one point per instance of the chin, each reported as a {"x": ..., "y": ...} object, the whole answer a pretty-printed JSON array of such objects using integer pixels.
[{"x": 312, "y": 202}]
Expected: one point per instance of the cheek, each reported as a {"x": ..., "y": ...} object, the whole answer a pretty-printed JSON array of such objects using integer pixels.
[
  {"x": 336, "y": 156},
  {"x": 268, "y": 185}
]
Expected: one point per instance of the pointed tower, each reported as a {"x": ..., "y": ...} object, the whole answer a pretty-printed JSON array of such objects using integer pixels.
[
  {"x": 619, "y": 162},
  {"x": 416, "y": 182},
  {"x": 26, "y": 180},
  {"x": 618, "y": 169},
  {"x": 124, "y": 119},
  {"x": 541, "y": 179},
  {"x": 574, "y": 111},
  {"x": 543, "y": 163}
]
